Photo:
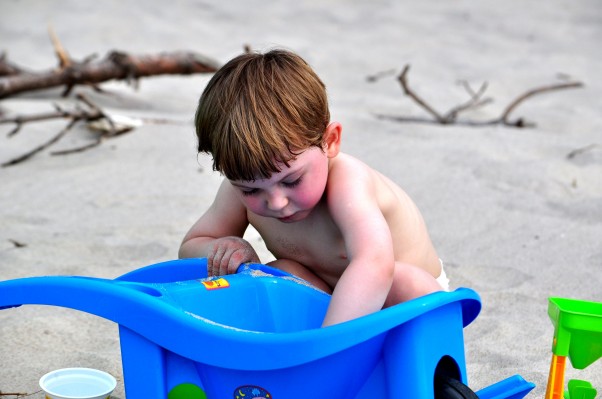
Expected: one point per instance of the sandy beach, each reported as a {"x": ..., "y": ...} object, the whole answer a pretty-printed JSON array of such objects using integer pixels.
[{"x": 515, "y": 214}]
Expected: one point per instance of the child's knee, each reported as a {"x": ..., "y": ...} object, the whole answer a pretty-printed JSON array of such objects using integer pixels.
[{"x": 410, "y": 282}]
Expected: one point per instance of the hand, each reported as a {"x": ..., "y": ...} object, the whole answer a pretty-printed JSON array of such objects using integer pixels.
[{"x": 227, "y": 254}]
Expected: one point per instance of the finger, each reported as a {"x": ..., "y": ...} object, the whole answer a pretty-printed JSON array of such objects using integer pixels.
[
  {"x": 242, "y": 255},
  {"x": 216, "y": 260},
  {"x": 254, "y": 258},
  {"x": 236, "y": 259},
  {"x": 227, "y": 259},
  {"x": 220, "y": 257},
  {"x": 209, "y": 264}
]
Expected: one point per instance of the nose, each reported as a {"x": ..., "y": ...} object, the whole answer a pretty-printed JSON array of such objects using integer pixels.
[{"x": 276, "y": 200}]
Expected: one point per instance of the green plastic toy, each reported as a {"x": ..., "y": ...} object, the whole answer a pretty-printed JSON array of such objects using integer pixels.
[{"x": 578, "y": 336}]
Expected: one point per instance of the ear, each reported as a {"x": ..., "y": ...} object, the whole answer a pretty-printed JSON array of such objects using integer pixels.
[{"x": 332, "y": 139}]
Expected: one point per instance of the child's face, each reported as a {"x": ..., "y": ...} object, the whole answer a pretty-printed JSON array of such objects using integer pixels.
[{"x": 291, "y": 194}]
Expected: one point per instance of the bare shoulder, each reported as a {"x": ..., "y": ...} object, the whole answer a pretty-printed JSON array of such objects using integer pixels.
[
  {"x": 345, "y": 169},
  {"x": 377, "y": 193},
  {"x": 349, "y": 174}
]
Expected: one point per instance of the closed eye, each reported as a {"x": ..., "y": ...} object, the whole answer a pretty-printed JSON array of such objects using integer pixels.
[
  {"x": 251, "y": 191},
  {"x": 293, "y": 183}
]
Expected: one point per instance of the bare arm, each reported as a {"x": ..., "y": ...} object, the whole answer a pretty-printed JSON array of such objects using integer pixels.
[
  {"x": 217, "y": 235},
  {"x": 364, "y": 285}
]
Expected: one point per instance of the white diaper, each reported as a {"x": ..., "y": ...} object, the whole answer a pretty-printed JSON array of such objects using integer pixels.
[{"x": 442, "y": 279}]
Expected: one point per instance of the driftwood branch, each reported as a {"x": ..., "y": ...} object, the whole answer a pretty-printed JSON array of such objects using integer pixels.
[
  {"x": 115, "y": 66},
  {"x": 69, "y": 73},
  {"x": 7, "y": 68},
  {"x": 476, "y": 100}
]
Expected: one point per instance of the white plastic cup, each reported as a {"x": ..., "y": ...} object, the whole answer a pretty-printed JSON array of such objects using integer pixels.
[{"x": 78, "y": 383}]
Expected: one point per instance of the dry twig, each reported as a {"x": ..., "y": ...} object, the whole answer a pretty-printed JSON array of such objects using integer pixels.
[
  {"x": 476, "y": 100},
  {"x": 61, "y": 53},
  {"x": 89, "y": 113},
  {"x": 19, "y": 394},
  {"x": 403, "y": 80},
  {"x": 41, "y": 147},
  {"x": 581, "y": 150},
  {"x": 504, "y": 118},
  {"x": 17, "y": 244}
]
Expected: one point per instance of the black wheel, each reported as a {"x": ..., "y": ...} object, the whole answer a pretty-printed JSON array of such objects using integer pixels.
[{"x": 450, "y": 388}]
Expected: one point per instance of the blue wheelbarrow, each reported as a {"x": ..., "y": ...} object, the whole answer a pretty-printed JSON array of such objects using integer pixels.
[{"x": 257, "y": 334}]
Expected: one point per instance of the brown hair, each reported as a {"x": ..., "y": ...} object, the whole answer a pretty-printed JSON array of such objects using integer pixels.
[{"x": 259, "y": 110}]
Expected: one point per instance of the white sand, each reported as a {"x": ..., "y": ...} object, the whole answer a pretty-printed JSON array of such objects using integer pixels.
[{"x": 511, "y": 216}]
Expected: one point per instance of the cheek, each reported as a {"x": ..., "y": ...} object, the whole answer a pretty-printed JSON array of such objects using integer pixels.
[
  {"x": 310, "y": 193},
  {"x": 253, "y": 203},
  {"x": 309, "y": 196}
]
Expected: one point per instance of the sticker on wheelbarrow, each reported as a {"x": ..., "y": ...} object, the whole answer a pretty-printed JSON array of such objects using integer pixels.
[
  {"x": 216, "y": 284},
  {"x": 251, "y": 392}
]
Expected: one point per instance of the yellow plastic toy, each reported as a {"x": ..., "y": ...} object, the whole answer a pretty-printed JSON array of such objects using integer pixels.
[{"x": 578, "y": 336}]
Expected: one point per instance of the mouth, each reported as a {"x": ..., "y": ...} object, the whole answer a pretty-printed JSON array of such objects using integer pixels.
[{"x": 288, "y": 219}]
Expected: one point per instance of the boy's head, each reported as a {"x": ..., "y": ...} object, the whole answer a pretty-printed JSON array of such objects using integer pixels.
[{"x": 261, "y": 110}]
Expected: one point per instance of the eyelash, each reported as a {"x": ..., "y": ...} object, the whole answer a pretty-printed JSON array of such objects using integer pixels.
[
  {"x": 292, "y": 184},
  {"x": 249, "y": 192}
]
